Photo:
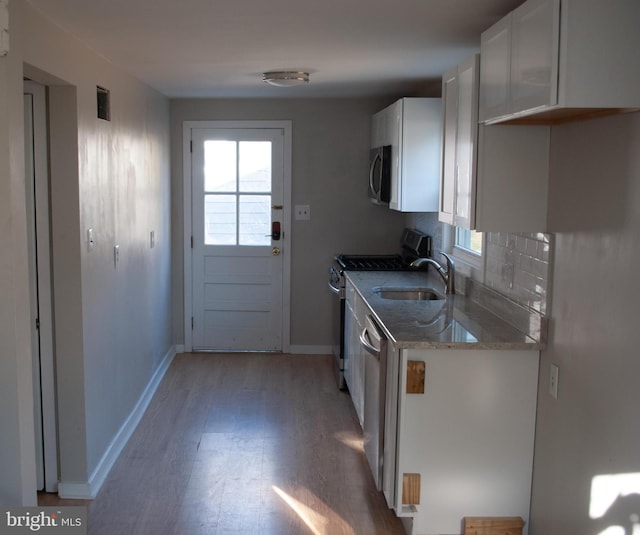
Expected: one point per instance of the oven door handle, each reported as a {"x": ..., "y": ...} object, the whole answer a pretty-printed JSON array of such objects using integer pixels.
[
  {"x": 333, "y": 288},
  {"x": 334, "y": 280}
]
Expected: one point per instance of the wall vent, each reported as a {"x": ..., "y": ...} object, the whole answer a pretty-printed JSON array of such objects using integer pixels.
[{"x": 104, "y": 103}]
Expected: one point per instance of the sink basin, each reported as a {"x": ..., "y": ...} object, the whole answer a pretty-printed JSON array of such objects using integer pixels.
[{"x": 409, "y": 294}]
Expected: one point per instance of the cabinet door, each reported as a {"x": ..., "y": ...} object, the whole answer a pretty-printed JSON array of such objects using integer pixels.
[
  {"x": 466, "y": 144},
  {"x": 354, "y": 354},
  {"x": 449, "y": 136},
  {"x": 534, "y": 55},
  {"x": 349, "y": 327},
  {"x": 495, "y": 53}
]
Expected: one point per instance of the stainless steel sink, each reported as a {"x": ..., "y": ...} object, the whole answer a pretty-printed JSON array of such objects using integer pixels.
[{"x": 409, "y": 294}]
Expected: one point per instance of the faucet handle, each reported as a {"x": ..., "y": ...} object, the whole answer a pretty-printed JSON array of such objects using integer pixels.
[
  {"x": 450, "y": 281},
  {"x": 450, "y": 263}
]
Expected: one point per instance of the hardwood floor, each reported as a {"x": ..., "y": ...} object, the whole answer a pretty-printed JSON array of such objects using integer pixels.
[{"x": 243, "y": 444}]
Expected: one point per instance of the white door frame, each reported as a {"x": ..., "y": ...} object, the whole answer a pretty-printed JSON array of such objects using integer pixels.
[
  {"x": 40, "y": 226},
  {"x": 187, "y": 126}
]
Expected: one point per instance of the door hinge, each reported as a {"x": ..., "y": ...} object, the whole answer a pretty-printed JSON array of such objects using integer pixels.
[
  {"x": 192, "y": 242},
  {"x": 38, "y": 323},
  {"x": 191, "y": 146},
  {"x": 192, "y": 323}
]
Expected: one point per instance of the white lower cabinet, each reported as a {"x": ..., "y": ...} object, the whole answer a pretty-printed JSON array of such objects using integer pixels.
[
  {"x": 463, "y": 447},
  {"x": 354, "y": 361}
]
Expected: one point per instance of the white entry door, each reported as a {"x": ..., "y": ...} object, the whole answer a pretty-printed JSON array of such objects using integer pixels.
[{"x": 238, "y": 247}]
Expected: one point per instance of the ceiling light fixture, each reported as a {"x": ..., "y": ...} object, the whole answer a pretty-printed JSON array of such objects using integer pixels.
[{"x": 285, "y": 78}]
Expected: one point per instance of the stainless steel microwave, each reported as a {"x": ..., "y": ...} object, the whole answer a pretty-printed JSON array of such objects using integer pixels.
[{"x": 380, "y": 175}]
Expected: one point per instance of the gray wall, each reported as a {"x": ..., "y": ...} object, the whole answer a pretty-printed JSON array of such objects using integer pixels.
[
  {"x": 592, "y": 429},
  {"x": 113, "y": 326},
  {"x": 330, "y": 168},
  {"x": 17, "y": 480}
]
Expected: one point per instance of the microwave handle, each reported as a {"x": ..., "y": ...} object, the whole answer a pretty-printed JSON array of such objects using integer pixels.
[{"x": 373, "y": 164}]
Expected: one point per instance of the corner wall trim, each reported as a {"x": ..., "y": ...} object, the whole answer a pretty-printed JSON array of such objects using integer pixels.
[{"x": 89, "y": 489}]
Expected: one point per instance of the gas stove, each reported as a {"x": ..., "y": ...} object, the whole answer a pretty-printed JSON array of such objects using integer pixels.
[{"x": 414, "y": 244}]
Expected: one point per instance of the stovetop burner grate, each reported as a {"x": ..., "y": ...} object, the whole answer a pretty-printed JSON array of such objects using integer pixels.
[
  {"x": 372, "y": 262},
  {"x": 414, "y": 244}
]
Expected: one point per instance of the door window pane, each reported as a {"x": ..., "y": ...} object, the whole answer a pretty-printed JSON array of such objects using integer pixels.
[
  {"x": 242, "y": 170},
  {"x": 220, "y": 164},
  {"x": 255, "y": 166},
  {"x": 255, "y": 220},
  {"x": 220, "y": 219}
]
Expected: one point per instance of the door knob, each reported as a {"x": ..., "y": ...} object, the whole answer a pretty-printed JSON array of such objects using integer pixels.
[{"x": 275, "y": 251}]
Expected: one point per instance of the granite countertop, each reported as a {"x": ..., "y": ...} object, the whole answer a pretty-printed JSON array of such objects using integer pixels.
[{"x": 456, "y": 322}]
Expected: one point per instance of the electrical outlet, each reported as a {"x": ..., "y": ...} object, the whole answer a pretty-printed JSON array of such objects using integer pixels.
[
  {"x": 553, "y": 381},
  {"x": 303, "y": 212}
]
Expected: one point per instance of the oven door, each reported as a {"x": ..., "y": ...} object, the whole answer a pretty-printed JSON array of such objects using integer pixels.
[{"x": 336, "y": 285}]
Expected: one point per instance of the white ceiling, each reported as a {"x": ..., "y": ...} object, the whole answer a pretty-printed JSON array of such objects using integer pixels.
[{"x": 219, "y": 48}]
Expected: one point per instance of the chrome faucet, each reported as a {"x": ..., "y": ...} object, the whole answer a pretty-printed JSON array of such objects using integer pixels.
[{"x": 448, "y": 275}]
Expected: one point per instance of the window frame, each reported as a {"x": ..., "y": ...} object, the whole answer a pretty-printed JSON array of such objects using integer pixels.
[{"x": 468, "y": 262}]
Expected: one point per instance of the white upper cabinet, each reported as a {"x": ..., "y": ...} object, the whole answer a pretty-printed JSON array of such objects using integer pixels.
[
  {"x": 412, "y": 126},
  {"x": 550, "y": 61},
  {"x": 495, "y": 49},
  {"x": 534, "y": 55},
  {"x": 460, "y": 135},
  {"x": 494, "y": 178}
]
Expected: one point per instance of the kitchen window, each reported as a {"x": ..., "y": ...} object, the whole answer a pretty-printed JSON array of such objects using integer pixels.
[
  {"x": 469, "y": 240},
  {"x": 466, "y": 246}
]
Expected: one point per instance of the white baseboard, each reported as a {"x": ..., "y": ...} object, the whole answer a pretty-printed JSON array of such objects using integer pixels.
[
  {"x": 76, "y": 491},
  {"x": 179, "y": 348},
  {"x": 310, "y": 350},
  {"x": 88, "y": 490}
]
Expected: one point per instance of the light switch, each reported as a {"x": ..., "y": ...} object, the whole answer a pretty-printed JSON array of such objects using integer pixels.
[
  {"x": 554, "y": 373},
  {"x": 303, "y": 212}
]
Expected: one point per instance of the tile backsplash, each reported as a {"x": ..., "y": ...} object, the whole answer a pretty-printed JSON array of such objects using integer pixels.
[{"x": 517, "y": 266}]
